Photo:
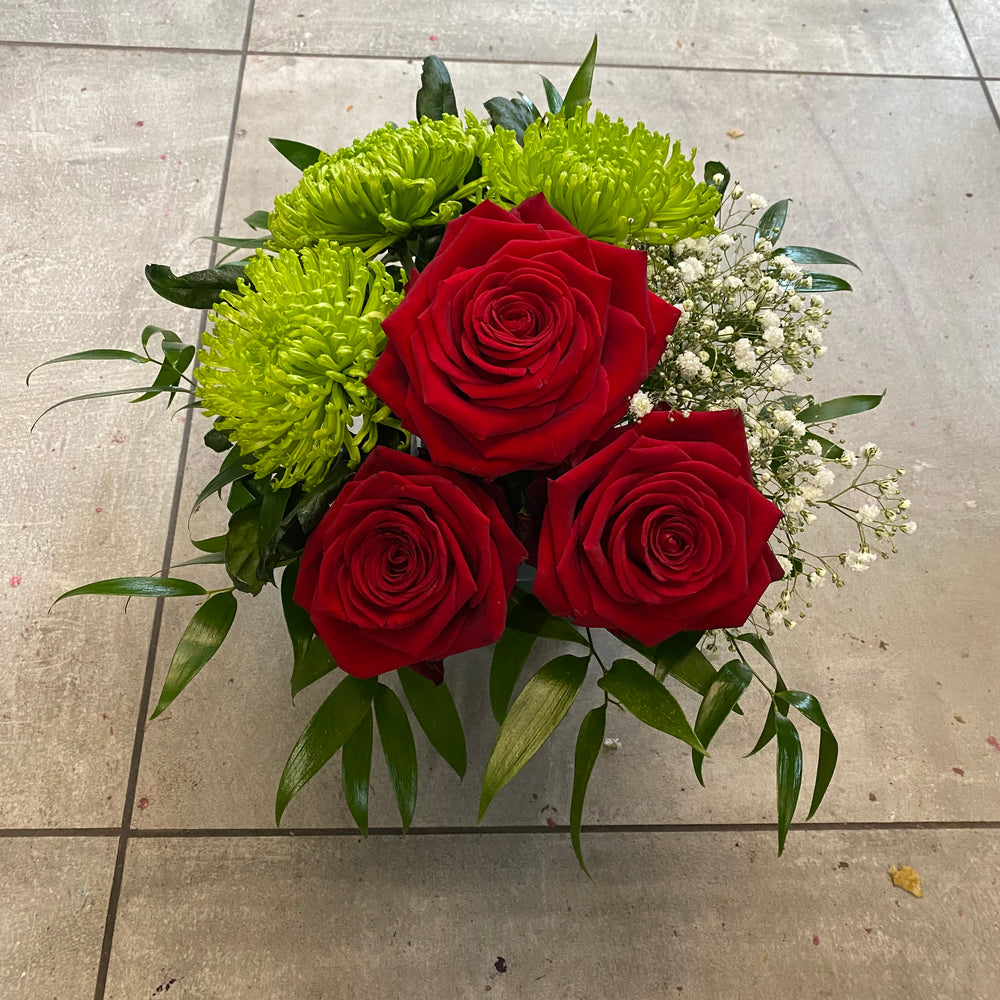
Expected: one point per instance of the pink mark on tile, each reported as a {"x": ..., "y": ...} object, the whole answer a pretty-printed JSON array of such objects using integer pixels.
[
  {"x": 104, "y": 715},
  {"x": 117, "y": 438},
  {"x": 959, "y": 772},
  {"x": 139, "y": 124},
  {"x": 550, "y": 822},
  {"x": 15, "y": 581},
  {"x": 815, "y": 939},
  {"x": 112, "y": 728},
  {"x": 961, "y": 912},
  {"x": 868, "y": 930},
  {"x": 433, "y": 38},
  {"x": 98, "y": 510},
  {"x": 144, "y": 803},
  {"x": 993, "y": 743}
]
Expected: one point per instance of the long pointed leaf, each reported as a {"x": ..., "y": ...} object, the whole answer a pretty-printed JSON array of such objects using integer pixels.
[
  {"x": 256, "y": 220},
  {"x": 199, "y": 643},
  {"x": 297, "y": 620},
  {"x": 399, "y": 749},
  {"x": 827, "y": 283},
  {"x": 539, "y": 708},
  {"x": 314, "y": 664},
  {"x": 328, "y": 730},
  {"x": 842, "y": 406},
  {"x": 243, "y": 550},
  {"x": 100, "y": 354},
  {"x": 197, "y": 289},
  {"x": 509, "y": 656},
  {"x": 578, "y": 92},
  {"x": 672, "y": 651},
  {"x": 147, "y": 389},
  {"x": 766, "y": 734},
  {"x": 434, "y": 708},
  {"x": 789, "y": 774},
  {"x": 356, "y": 771},
  {"x": 809, "y": 706},
  {"x": 588, "y": 746},
  {"x": 137, "y": 586},
  {"x": 813, "y": 255},
  {"x": 724, "y": 692},
  {"x": 552, "y": 96},
  {"x": 772, "y": 221},
  {"x": 234, "y": 466},
  {"x": 648, "y": 700},
  {"x": 299, "y": 154}
]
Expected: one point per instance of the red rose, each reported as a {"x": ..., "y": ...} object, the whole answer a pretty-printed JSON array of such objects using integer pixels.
[
  {"x": 521, "y": 340},
  {"x": 411, "y": 563},
  {"x": 660, "y": 530}
]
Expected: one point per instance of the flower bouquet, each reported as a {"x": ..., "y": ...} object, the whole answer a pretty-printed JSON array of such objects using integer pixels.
[{"x": 512, "y": 381}]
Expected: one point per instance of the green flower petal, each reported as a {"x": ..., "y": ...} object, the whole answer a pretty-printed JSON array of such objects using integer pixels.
[
  {"x": 378, "y": 189},
  {"x": 612, "y": 183},
  {"x": 286, "y": 362}
]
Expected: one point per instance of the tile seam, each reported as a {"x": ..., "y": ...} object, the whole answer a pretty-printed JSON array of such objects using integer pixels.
[
  {"x": 124, "y": 832},
  {"x": 266, "y": 833},
  {"x": 473, "y": 60}
]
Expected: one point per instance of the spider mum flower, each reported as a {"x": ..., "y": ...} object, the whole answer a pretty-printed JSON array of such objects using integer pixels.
[
  {"x": 376, "y": 190},
  {"x": 286, "y": 362},
  {"x": 610, "y": 182}
]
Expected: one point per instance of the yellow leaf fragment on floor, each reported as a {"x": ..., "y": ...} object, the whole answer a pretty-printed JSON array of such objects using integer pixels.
[
  {"x": 735, "y": 133},
  {"x": 906, "y": 878}
]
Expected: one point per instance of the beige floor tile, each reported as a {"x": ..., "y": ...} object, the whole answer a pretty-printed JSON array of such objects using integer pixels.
[
  {"x": 854, "y": 37},
  {"x": 700, "y": 915},
  {"x": 901, "y": 658},
  {"x": 107, "y": 167},
  {"x": 55, "y": 898},
  {"x": 210, "y": 24}
]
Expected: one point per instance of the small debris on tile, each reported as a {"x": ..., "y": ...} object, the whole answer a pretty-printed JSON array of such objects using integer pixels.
[
  {"x": 735, "y": 133},
  {"x": 959, "y": 718},
  {"x": 959, "y": 772},
  {"x": 612, "y": 743},
  {"x": 815, "y": 939},
  {"x": 139, "y": 124},
  {"x": 143, "y": 803},
  {"x": 500, "y": 964},
  {"x": 906, "y": 878},
  {"x": 551, "y": 823},
  {"x": 15, "y": 581},
  {"x": 871, "y": 797},
  {"x": 992, "y": 740}
]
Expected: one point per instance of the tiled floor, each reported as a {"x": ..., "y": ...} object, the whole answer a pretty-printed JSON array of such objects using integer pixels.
[{"x": 140, "y": 863}]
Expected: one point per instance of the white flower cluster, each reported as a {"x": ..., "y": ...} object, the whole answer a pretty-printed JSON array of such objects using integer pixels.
[{"x": 749, "y": 325}]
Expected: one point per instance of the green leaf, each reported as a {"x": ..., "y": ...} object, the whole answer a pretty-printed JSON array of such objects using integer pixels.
[
  {"x": 842, "y": 406},
  {"x": 147, "y": 389},
  {"x": 712, "y": 168},
  {"x": 298, "y": 154},
  {"x": 272, "y": 511},
  {"x": 789, "y": 774},
  {"x": 400, "y": 752},
  {"x": 826, "y": 283},
  {"x": 242, "y": 556},
  {"x": 137, "y": 586},
  {"x": 672, "y": 653},
  {"x": 812, "y": 255},
  {"x": 772, "y": 221},
  {"x": 257, "y": 220},
  {"x": 648, "y": 700},
  {"x": 529, "y": 616},
  {"x": 436, "y": 96},
  {"x": 217, "y": 543},
  {"x": 310, "y": 509},
  {"x": 588, "y": 746},
  {"x": 234, "y": 466},
  {"x": 766, "y": 734},
  {"x": 552, "y": 96},
  {"x": 514, "y": 115},
  {"x": 148, "y": 332},
  {"x": 539, "y": 708},
  {"x": 199, "y": 643},
  {"x": 509, "y": 656},
  {"x": 327, "y": 731},
  {"x": 239, "y": 242},
  {"x": 356, "y": 771},
  {"x": 757, "y": 643},
  {"x": 217, "y": 440},
  {"x": 434, "y": 708},
  {"x": 578, "y": 92},
  {"x": 720, "y": 699},
  {"x": 197, "y": 289},
  {"x": 100, "y": 354},
  {"x": 208, "y": 559},
  {"x": 315, "y": 663},
  {"x": 297, "y": 621},
  {"x": 239, "y": 496},
  {"x": 809, "y": 706}
]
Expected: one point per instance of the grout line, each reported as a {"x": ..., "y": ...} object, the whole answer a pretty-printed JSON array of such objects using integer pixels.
[
  {"x": 474, "y": 60},
  {"x": 267, "y": 833},
  {"x": 147, "y": 684},
  {"x": 975, "y": 63}
]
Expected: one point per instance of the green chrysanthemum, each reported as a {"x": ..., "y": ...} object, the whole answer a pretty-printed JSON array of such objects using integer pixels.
[
  {"x": 610, "y": 182},
  {"x": 286, "y": 362},
  {"x": 373, "y": 192}
]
